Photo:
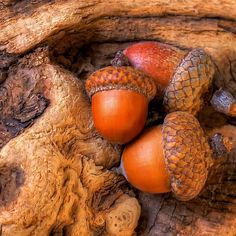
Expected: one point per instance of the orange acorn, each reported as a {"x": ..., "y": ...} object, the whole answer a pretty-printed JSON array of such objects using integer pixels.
[
  {"x": 175, "y": 156},
  {"x": 120, "y": 97}
]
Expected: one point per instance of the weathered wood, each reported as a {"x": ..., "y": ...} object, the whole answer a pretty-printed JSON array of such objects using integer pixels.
[
  {"x": 83, "y": 36},
  {"x": 36, "y": 22},
  {"x": 193, "y": 25}
]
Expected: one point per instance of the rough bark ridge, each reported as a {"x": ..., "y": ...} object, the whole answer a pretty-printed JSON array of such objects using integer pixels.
[
  {"x": 21, "y": 101},
  {"x": 52, "y": 179},
  {"x": 57, "y": 185}
]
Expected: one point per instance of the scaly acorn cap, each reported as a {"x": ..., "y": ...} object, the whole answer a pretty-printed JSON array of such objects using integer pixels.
[
  {"x": 190, "y": 81},
  {"x": 187, "y": 154},
  {"x": 124, "y": 77}
]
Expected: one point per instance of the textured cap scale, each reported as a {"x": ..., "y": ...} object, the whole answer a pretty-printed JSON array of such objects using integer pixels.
[
  {"x": 110, "y": 78},
  {"x": 191, "y": 79},
  {"x": 187, "y": 154}
]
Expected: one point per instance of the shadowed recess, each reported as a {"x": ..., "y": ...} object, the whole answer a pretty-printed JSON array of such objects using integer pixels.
[
  {"x": 11, "y": 179},
  {"x": 22, "y": 100}
]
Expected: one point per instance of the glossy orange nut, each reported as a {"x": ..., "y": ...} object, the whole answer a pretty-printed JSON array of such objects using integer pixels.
[
  {"x": 119, "y": 115},
  {"x": 143, "y": 162},
  {"x": 156, "y": 59}
]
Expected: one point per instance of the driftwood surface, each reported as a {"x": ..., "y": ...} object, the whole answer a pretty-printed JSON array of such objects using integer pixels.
[{"x": 83, "y": 36}]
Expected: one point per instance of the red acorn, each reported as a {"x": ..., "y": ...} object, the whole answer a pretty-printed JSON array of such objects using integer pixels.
[
  {"x": 156, "y": 59},
  {"x": 182, "y": 76}
]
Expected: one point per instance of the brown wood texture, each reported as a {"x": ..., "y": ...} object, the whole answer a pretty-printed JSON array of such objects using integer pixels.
[{"x": 83, "y": 36}]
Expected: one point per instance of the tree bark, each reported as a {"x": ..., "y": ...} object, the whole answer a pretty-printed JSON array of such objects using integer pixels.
[{"x": 83, "y": 36}]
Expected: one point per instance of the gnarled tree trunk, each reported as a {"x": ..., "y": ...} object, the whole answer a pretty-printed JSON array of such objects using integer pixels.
[{"x": 55, "y": 175}]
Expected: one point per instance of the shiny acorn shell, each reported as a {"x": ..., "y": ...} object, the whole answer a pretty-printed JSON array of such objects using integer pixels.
[
  {"x": 124, "y": 77},
  {"x": 158, "y": 60},
  {"x": 183, "y": 77},
  {"x": 187, "y": 154},
  {"x": 190, "y": 81}
]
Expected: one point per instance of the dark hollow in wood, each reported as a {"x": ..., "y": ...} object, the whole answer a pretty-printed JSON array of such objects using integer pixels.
[
  {"x": 22, "y": 100},
  {"x": 220, "y": 145}
]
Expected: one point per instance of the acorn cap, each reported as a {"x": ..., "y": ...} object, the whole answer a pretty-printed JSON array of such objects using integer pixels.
[
  {"x": 191, "y": 79},
  {"x": 124, "y": 77},
  {"x": 187, "y": 154}
]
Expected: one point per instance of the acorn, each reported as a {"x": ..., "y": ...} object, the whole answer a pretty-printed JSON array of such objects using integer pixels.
[
  {"x": 173, "y": 157},
  {"x": 181, "y": 76},
  {"x": 120, "y": 97},
  {"x": 224, "y": 102}
]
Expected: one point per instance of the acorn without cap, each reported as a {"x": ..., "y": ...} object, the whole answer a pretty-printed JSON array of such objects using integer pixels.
[
  {"x": 182, "y": 76},
  {"x": 175, "y": 156},
  {"x": 120, "y": 97}
]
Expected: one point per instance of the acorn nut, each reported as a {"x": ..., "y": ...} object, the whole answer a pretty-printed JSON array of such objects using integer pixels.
[
  {"x": 175, "y": 156},
  {"x": 120, "y": 97},
  {"x": 183, "y": 77}
]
